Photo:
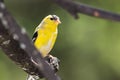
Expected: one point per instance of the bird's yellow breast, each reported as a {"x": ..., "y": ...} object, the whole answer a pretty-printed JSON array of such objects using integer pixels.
[{"x": 46, "y": 39}]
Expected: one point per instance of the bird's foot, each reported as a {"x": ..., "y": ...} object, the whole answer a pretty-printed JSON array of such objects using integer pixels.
[
  {"x": 32, "y": 77},
  {"x": 53, "y": 62}
]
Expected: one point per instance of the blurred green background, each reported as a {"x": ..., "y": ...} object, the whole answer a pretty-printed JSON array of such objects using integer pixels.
[{"x": 89, "y": 48}]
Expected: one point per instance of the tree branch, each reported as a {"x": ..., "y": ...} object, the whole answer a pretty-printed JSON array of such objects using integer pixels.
[
  {"x": 74, "y": 8},
  {"x": 19, "y": 48}
]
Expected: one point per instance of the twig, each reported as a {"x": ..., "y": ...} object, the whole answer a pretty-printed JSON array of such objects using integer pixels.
[
  {"x": 74, "y": 8},
  {"x": 19, "y": 48}
]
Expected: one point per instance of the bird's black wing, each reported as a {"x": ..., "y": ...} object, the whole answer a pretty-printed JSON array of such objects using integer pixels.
[{"x": 34, "y": 36}]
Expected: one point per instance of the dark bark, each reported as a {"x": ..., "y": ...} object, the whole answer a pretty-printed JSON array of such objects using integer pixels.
[
  {"x": 74, "y": 8},
  {"x": 18, "y": 47}
]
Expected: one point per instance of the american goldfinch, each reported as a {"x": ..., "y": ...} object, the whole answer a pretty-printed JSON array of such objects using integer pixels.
[
  {"x": 45, "y": 34},
  {"x": 44, "y": 39}
]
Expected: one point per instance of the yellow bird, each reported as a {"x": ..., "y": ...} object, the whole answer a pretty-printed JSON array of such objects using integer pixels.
[
  {"x": 45, "y": 34},
  {"x": 44, "y": 39}
]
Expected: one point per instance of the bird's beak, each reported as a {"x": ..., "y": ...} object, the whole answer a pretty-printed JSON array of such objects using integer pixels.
[{"x": 58, "y": 20}]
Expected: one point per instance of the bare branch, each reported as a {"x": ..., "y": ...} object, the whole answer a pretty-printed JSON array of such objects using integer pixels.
[
  {"x": 74, "y": 8},
  {"x": 19, "y": 48}
]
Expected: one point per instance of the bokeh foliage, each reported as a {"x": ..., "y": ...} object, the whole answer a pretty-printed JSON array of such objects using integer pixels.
[{"x": 89, "y": 48}]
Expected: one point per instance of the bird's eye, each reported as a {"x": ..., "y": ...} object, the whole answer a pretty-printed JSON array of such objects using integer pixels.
[{"x": 51, "y": 18}]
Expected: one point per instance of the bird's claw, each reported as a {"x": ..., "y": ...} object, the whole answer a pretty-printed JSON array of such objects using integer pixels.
[
  {"x": 53, "y": 62},
  {"x": 32, "y": 77}
]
